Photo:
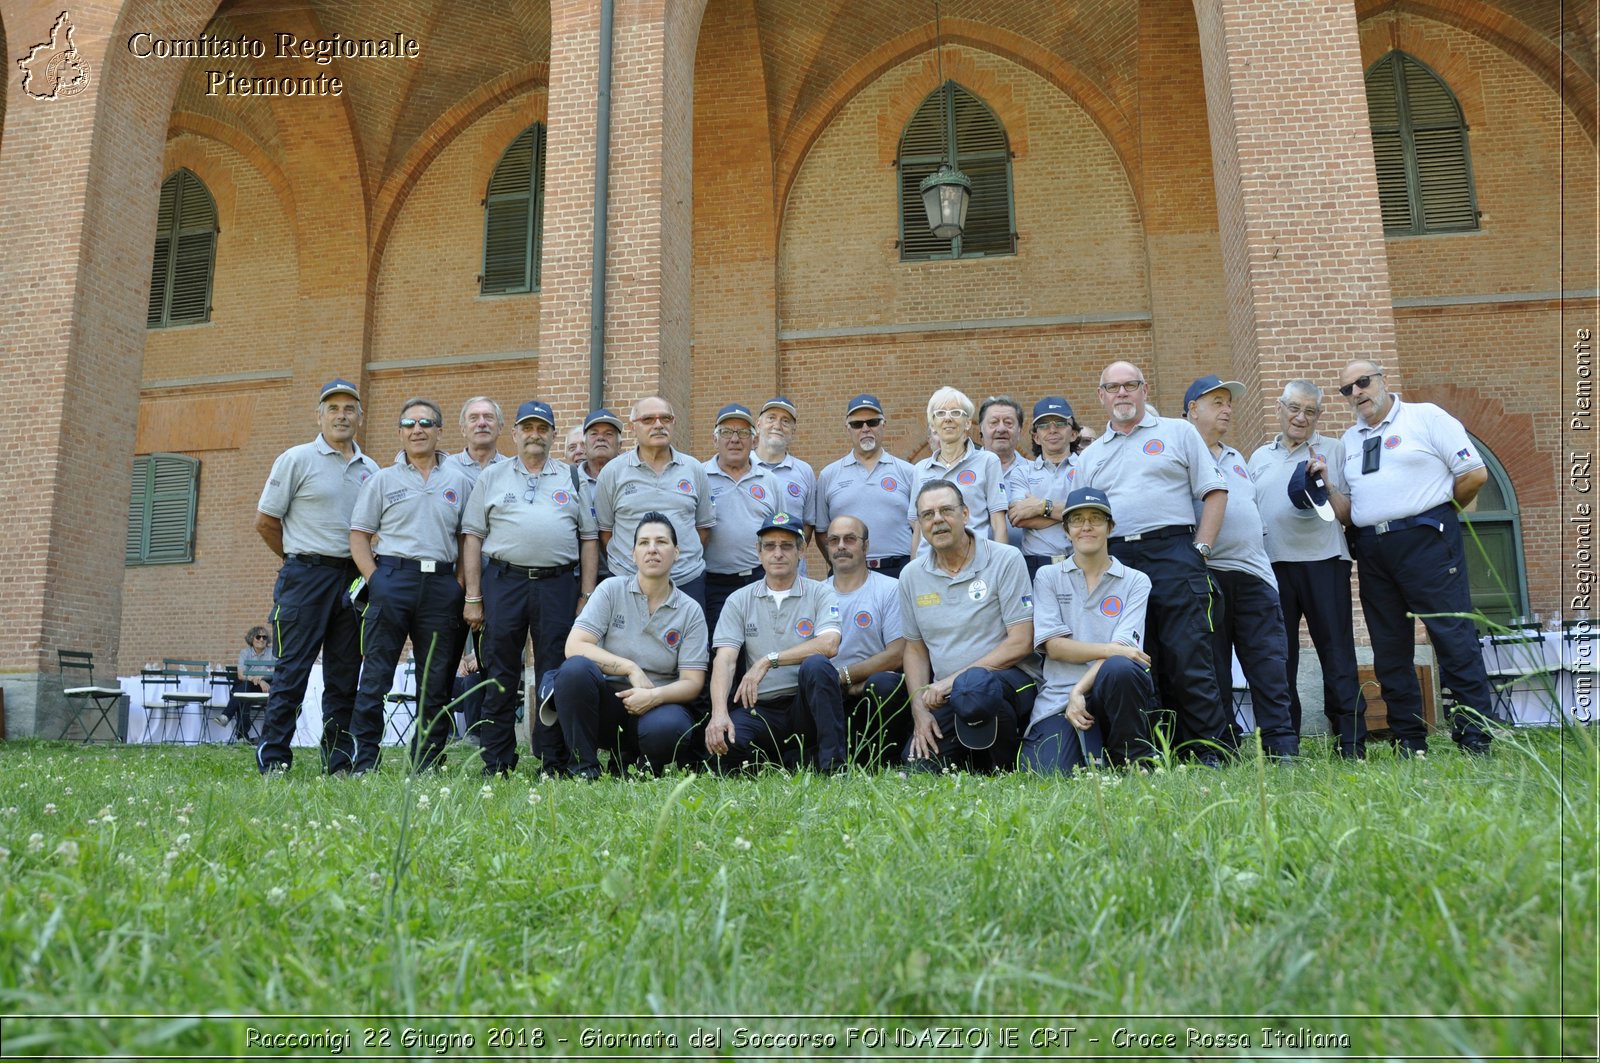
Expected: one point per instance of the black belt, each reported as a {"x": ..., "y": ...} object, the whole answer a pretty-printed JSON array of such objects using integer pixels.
[
  {"x": 424, "y": 565},
  {"x": 550, "y": 572},
  {"x": 881, "y": 561},
  {"x": 1433, "y": 518},
  {"x": 320, "y": 559},
  {"x": 740, "y": 578},
  {"x": 1168, "y": 532}
]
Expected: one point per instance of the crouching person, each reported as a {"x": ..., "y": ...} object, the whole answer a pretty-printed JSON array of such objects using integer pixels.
[{"x": 636, "y": 659}]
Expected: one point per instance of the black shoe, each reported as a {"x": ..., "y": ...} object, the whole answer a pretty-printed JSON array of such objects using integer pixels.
[{"x": 1208, "y": 759}]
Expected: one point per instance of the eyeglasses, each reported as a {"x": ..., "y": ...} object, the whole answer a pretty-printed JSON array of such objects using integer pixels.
[
  {"x": 1362, "y": 382},
  {"x": 848, "y": 539},
  {"x": 418, "y": 422},
  {"x": 951, "y": 415},
  {"x": 1086, "y": 520},
  {"x": 943, "y": 513},
  {"x": 656, "y": 418},
  {"x": 868, "y": 422},
  {"x": 1122, "y": 385},
  {"x": 531, "y": 495},
  {"x": 1299, "y": 411},
  {"x": 734, "y": 433}
]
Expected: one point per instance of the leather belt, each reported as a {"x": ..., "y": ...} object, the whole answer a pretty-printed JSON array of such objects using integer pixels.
[
  {"x": 1168, "y": 532},
  {"x": 425, "y": 564},
  {"x": 1433, "y": 518},
  {"x": 879, "y": 562},
  {"x": 320, "y": 559},
  {"x": 549, "y": 572},
  {"x": 732, "y": 577}
]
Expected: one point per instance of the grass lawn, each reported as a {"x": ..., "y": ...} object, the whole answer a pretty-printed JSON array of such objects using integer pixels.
[{"x": 1445, "y": 907}]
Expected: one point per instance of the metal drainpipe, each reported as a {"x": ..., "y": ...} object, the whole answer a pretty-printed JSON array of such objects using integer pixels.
[{"x": 602, "y": 197}]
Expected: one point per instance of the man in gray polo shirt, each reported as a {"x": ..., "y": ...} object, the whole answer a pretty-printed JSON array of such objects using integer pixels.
[
  {"x": 743, "y": 496},
  {"x": 967, "y": 612},
  {"x": 788, "y": 705},
  {"x": 481, "y": 425},
  {"x": 1037, "y": 487},
  {"x": 1311, "y": 559},
  {"x": 871, "y": 484},
  {"x": 656, "y": 477},
  {"x": 872, "y": 646},
  {"x": 304, "y": 518},
  {"x": 602, "y": 441},
  {"x": 776, "y": 425},
  {"x": 524, "y": 533}
]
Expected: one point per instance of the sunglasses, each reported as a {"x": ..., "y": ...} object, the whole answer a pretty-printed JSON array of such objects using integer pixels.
[
  {"x": 418, "y": 422},
  {"x": 1362, "y": 382},
  {"x": 868, "y": 422},
  {"x": 656, "y": 418}
]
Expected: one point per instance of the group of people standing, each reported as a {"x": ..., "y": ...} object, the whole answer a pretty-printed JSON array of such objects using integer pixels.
[{"x": 984, "y": 608}]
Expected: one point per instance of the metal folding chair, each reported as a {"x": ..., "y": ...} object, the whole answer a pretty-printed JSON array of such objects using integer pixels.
[
  {"x": 188, "y": 704},
  {"x": 402, "y": 703},
  {"x": 248, "y": 699},
  {"x": 84, "y": 697},
  {"x": 1516, "y": 664}
]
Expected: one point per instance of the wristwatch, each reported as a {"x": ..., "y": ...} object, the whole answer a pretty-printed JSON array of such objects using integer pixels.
[
  {"x": 772, "y": 660},
  {"x": 1204, "y": 548},
  {"x": 1047, "y": 507}
]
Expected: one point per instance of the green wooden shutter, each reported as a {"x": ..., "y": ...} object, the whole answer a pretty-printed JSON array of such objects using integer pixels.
[
  {"x": 513, "y": 226},
  {"x": 185, "y": 254},
  {"x": 161, "y": 512},
  {"x": 982, "y": 153},
  {"x": 1419, "y": 144},
  {"x": 162, "y": 263}
]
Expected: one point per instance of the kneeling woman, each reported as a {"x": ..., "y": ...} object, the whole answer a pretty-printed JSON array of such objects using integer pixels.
[{"x": 635, "y": 704}]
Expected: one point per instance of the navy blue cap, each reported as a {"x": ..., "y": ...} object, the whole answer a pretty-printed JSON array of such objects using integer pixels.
[
  {"x": 339, "y": 386},
  {"x": 1052, "y": 406},
  {"x": 1208, "y": 384},
  {"x": 788, "y": 522},
  {"x": 1086, "y": 498},
  {"x": 736, "y": 411},
  {"x": 1309, "y": 492},
  {"x": 602, "y": 416},
  {"x": 863, "y": 402},
  {"x": 534, "y": 408},
  {"x": 977, "y": 731},
  {"x": 778, "y": 402}
]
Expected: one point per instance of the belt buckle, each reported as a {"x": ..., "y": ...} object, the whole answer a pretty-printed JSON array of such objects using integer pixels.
[
  {"x": 427, "y": 564},
  {"x": 1382, "y": 527},
  {"x": 874, "y": 563},
  {"x": 1135, "y": 537}
]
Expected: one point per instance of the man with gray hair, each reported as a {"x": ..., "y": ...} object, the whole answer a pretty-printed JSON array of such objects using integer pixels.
[
  {"x": 481, "y": 425},
  {"x": 1311, "y": 560}
]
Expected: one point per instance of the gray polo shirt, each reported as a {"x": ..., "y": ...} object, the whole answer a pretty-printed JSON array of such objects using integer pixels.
[
  {"x": 879, "y": 496},
  {"x": 1037, "y": 478},
  {"x": 1063, "y": 605},
  {"x": 962, "y": 617},
  {"x": 1424, "y": 449},
  {"x": 412, "y": 517},
  {"x": 977, "y": 474},
  {"x": 662, "y": 643},
  {"x": 312, "y": 488},
  {"x": 1241, "y": 544},
  {"x": 530, "y": 520},
  {"x": 627, "y": 489},
  {"x": 752, "y": 618},
  {"x": 869, "y": 619},
  {"x": 471, "y": 467},
  {"x": 796, "y": 482},
  {"x": 1296, "y": 534},
  {"x": 1153, "y": 476},
  {"x": 741, "y": 507}
]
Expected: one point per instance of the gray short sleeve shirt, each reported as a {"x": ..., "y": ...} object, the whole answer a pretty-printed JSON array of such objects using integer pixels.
[
  {"x": 1153, "y": 475},
  {"x": 627, "y": 489},
  {"x": 869, "y": 619},
  {"x": 879, "y": 496},
  {"x": 663, "y": 643},
  {"x": 1241, "y": 544},
  {"x": 977, "y": 475},
  {"x": 1296, "y": 534},
  {"x": 796, "y": 482},
  {"x": 312, "y": 489},
  {"x": 473, "y": 470},
  {"x": 1423, "y": 450},
  {"x": 532, "y": 520},
  {"x": 1037, "y": 478},
  {"x": 754, "y": 619},
  {"x": 412, "y": 517},
  {"x": 741, "y": 507},
  {"x": 961, "y": 617},
  {"x": 1063, "y": 606}
]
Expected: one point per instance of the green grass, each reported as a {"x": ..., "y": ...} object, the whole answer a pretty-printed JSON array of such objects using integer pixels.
[{"x": 176, "y": 882}]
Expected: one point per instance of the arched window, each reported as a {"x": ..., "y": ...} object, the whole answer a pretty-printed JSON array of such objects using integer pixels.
[
  {"x": 186, "y": 248},
  {"x": 161, "y": 512},
  {"x": 513, "y": 217},
  {"x": 1419, "y": 144},
  {"x": 952, "y": 114},
  {"x": 1492, "y": 529}
]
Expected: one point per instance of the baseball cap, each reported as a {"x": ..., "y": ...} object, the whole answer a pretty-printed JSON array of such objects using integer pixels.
[
  {"x": 602, "y": 416},
  {"x": 1309, "y": 492},
  {"x": 1207, "y": 384},
  {"x": 1086, "y": 498},
  {"x": 1052, "y": 406},
  {"x": 863, "y": 402},
  {"x": 339, "y": 386},
  {"x": 533, "y": 408},
  {"x": 778, "y": 402},
  {"x": 788, "y": 522},
  {"x": 735, "y": 411},
  {"x": 977, "y": 732}
]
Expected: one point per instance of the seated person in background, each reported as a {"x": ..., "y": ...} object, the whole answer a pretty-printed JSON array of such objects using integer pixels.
[{"x": 254, "y": 675}]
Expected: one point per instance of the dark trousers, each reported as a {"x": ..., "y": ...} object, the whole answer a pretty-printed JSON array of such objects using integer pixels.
[
  {"x": 1249, "y": 622},
  {"x": 1422, "y": 570},
  {"x": 806, "y": 726},
  {"x": 1320, "y": 592},
  {"x": 879, "y": 719},
  {"x": 516, "y": 608},
  {"x": 890, "y": 566},
  {"x": 1035, "y": 562},
  {"x": 718, "y": 589},
  {"x": 309, "y": 617},
  {"x": 1120, "y": 700},
  {"x": 981, "y": 695},
  {"x": 592, "y": 716},
  {"x": 1178, "y": 627},
  {"x": 426, "y": 608}
]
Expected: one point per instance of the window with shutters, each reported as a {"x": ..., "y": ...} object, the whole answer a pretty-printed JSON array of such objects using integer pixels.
[
  {"x": 1419, "y": 145},
  {"x": 513, "y": 217},
  {"x": 186, "y": 249},
  {"x": 1497, "y": 570},
  {"x": 952, "y": 114},
  {"x": 166, "y": 492}
]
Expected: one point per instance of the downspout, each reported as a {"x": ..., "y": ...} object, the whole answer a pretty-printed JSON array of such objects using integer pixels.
[{"x": 602, "y": 197}]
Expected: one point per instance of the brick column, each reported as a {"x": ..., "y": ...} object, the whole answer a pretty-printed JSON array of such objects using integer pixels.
[
  {"x": 1297, "y": 195},
  {"x": 81, "y": 175},
  {"x": 650, "y": 218}
]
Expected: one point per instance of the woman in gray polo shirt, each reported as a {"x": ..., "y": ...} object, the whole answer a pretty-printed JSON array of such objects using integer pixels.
[{"x": 637, "y": 705}]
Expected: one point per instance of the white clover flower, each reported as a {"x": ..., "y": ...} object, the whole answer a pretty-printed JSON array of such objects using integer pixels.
[
  {"x": 50, "y": 808},
  {"x": 422, "y": 801},
  {"x": 180, "y": 841},
  {"x": 35, "y": 842},
  {"x": 533, "y": 797},
  {"x": 172, "y": 854},
  {"x": 444, "y": 791},
  {"x": 605, "y": 853},
  {"x": 486, "y": 791},
  {"x": 741, "y": 843},
  {"x": 183, "y": 821},
  {"x": 350, "y": 818},
  {"x": 5, "y": 854},
  {"x": 314, "y": 825},
  {"x": 141, "y": 823},
  {"x": 68, "y": 852},
  {"x": 276, "y": 895},
  {"x": 375, "y": 880}
]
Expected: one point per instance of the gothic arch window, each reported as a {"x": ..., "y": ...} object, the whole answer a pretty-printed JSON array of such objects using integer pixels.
[
  {"x": 185, "y": 257},
  {"x": 1419, "y": 145},
  {"x": 1492, "y": 528},
  {"x": 983, "y": 153},
  {"x": 513, "y": 217}
]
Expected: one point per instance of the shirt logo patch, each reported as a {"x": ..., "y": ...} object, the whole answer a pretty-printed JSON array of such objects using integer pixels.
[
  {"x": 1240, "y": 470},
  {"x": 618, "y": 623},
  {"x": 685, "y": 486},
  {"x": 365, "y": 477},
  {"x": 889, "y": 483},
  {"x": 804, "y": 627},
  {"x": 1391, "y": 442},
  {"x": 561, "y": 498},
  {"x": 672, "y": 637},
  {"x": 1111, "y": 605},
  {"x": 966, "y": 476},
  {"x": 1464, "y": 452},
  {"x": 757, "y": 491},
  {"x": 794, "y": 489},
  {"x": 1027, "y": 600},
  {"x": 1155, "y": 446},
  {"x": 863, "y": 619},
  {"x": 509, "y": 499},
  {"x": 925, "y": 600},
  {"x": 977, "y": 590},
  {"x": 450, "y": 495}
]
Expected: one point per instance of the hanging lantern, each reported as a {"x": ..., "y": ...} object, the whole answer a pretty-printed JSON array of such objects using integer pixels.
[{"x": 945, "y": 195}]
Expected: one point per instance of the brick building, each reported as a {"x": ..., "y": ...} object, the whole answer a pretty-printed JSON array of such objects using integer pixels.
[{"x": 1188, "y": 184}]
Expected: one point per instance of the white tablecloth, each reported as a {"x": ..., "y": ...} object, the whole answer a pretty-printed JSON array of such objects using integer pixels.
[{"x": 1543, "y": 672}]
